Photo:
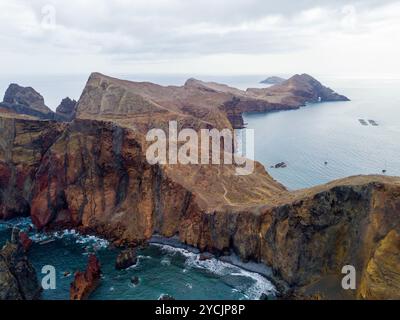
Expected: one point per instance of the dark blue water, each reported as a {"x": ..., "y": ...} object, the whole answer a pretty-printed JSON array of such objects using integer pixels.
[{"x": 161, "y": 269}]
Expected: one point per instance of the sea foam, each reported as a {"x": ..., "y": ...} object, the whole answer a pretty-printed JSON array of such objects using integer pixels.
[{"x": 260, "y": 285}]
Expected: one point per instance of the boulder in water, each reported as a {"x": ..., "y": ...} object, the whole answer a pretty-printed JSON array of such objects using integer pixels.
[
  {"x": 86, "y": 282},
  {"x": 135, "y": 280},
  {"x": 126, "y": 259}
]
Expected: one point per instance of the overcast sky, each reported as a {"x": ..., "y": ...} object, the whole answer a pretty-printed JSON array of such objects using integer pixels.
[{"x": 339, "y": 38}]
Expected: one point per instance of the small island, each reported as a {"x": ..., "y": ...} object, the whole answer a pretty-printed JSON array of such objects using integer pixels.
[{"x": 273, "y": 80}]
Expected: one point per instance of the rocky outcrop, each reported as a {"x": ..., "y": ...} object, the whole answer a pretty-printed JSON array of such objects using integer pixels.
[
  {"x": 86, "y": 282},
  {"x": 27, "y": 103},
  {"x": 25, "y": 96},
  {"x": 126, "y": 259},
  {"x": 26, "y": 100},
  {"x": 135, "y": 280},
  {"x": 67, "y": 109},
  {"x": 18, "y": 279}
]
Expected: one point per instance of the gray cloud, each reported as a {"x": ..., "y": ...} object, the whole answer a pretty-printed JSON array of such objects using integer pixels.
[{"x": 103, "y": 32}]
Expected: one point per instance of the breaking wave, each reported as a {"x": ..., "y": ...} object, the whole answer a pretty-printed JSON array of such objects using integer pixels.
[{"x": 25, "y": 224}]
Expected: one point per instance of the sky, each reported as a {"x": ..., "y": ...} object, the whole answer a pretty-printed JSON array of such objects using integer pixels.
[{"x": 226, "y": 37}]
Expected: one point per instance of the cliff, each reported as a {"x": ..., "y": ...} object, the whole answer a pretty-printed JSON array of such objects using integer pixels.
[{"x": 23, "y": 143}]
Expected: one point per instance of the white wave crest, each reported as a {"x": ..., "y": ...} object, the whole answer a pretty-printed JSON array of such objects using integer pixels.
[{"x": 260, "y": 285}]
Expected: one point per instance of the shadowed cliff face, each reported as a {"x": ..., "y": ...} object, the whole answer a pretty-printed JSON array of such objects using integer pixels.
[
  {"x": 93, "y": 175},
  {"x": 23, "y": 144},
  {"x": 96, "y": 176}
]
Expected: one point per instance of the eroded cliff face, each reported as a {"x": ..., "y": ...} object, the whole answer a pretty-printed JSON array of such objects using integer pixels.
[
  {"x": 312, "y": 235},
  {"x": 310, "y": 239},
  {"x": 23, "y": 144},
  {"x": 96, "y": 177}
]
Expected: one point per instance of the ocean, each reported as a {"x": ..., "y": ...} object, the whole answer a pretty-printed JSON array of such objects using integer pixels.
[
  {"x": 161, "y": 269},
  {"x": 319, "y": 142}
]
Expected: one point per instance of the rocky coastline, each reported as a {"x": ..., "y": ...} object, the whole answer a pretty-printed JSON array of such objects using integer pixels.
[{"x": 91, "y": 174}]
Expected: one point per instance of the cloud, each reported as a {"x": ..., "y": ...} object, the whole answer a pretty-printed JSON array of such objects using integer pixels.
[{"x": 144, "y": 35}]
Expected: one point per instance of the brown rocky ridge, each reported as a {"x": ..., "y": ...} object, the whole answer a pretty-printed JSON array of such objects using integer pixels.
[{"x": 92, "y": 174}]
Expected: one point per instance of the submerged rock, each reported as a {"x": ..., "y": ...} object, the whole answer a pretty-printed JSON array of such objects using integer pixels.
[
  {"x": 25, "y": 96},
  {"x": 280, "y": 165},
  {"x": 86, "y": 282},
  {"x": 18, "y": 280},
  {"x": 135, "y": 280},
  {"x": 126, "y": 259}
]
